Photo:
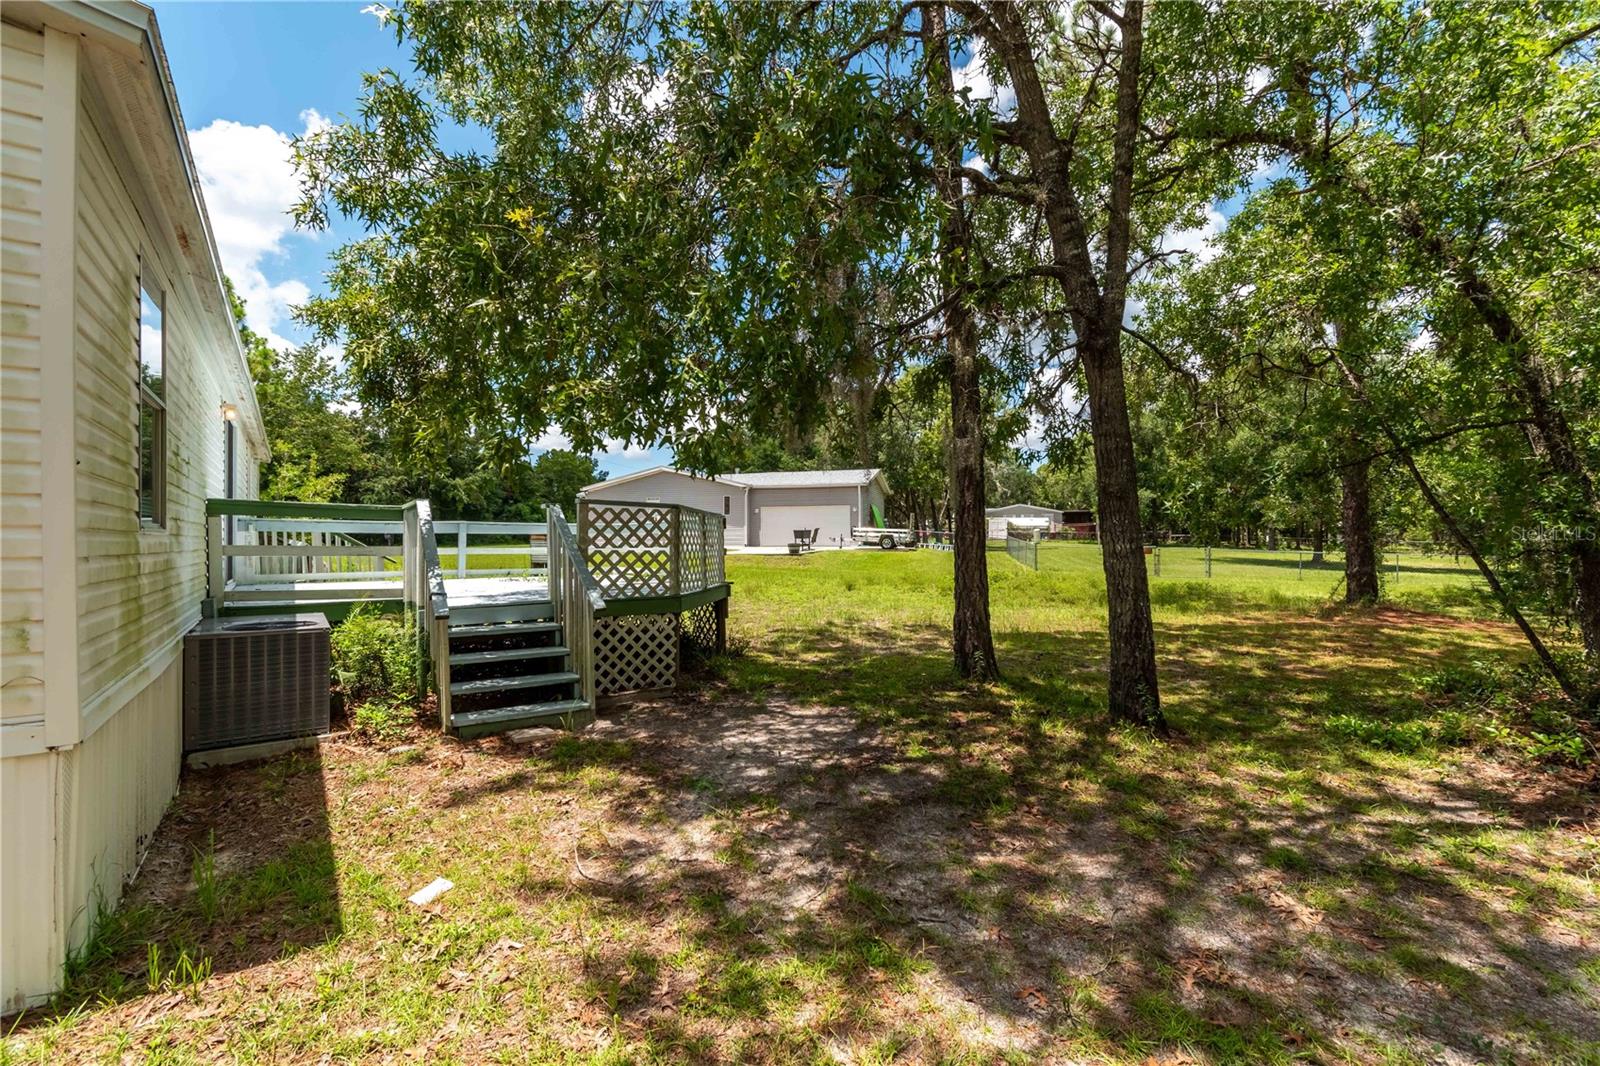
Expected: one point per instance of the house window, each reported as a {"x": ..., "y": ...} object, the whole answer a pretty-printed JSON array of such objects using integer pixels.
[
  {"x": 152, "y": 405},
  {"x": 727, "y": 505}
]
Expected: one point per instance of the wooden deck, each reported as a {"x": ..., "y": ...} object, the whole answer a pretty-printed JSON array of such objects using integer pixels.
[{"x": 566, "y": 613}]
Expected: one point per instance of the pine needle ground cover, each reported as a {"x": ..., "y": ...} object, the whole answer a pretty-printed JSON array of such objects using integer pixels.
[{"x": 1371, "y": 839}]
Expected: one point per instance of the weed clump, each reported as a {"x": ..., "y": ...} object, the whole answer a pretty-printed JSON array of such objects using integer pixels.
[{"x": 379, "y": 670}]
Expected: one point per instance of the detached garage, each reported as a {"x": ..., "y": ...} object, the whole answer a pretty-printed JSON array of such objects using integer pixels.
[
  {"x": 764, "y": 508},
  {"x": 830, "y": 521}
]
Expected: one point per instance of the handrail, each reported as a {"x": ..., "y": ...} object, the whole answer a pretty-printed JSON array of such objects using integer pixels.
[
  {"x": 567, "y": 542},
  {"x": 295, "y": 509},
  {"x": 427, "y": 604},
  {"x": 439, "y": 601},
  {"x": 575, "y": 598}
]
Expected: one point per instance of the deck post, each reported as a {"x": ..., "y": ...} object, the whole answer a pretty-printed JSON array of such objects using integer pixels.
[
  {"x": 720, "y": 610},
  {"x": 216, "y": 564},
  {"x": 675, "y": 562},
  {"x": 461, "y": 549}
]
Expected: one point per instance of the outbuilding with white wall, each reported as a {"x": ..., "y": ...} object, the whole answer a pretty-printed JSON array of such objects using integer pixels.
[{"x": 763, "y": 508}]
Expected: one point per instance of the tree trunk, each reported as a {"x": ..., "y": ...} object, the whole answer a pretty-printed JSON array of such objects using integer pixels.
[
  {"x": 1360, "y": 558},
  {"x": 1098, "y": 307},
  {"x": 1555, "y": 439},
  {"x": 1319, "y": 537},
  {"x": 1134, "y": 694},
  {"x": 1588, "y": 699},
  {"x": 972, "y": 641},
  {"x": 1554, "y": 442}
]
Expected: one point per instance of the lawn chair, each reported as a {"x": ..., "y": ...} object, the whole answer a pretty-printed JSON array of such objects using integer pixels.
[{"x": 816, "y": 535}]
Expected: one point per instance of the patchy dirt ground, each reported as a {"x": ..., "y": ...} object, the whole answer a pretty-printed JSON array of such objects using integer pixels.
[{"x": 738, "y": 876}]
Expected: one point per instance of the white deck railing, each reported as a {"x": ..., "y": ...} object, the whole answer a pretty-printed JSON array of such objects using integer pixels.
[
  {"x": 576, "y": 599},
  {"x": 650, "y": 550},
  {"x": 281, "y": 552}
]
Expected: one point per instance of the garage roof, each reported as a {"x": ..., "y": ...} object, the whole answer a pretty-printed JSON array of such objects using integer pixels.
[
  {"x": 806, "y": 479},
  {"x": 775, "y": 479},
  {"x": 1024, "y": 509}
]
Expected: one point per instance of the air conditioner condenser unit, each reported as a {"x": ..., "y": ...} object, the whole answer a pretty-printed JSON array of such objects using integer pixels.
[{"x": 249, "y": 680}]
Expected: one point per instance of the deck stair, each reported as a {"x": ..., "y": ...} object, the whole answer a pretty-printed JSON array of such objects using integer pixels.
[{"x": 510, "y": 667}]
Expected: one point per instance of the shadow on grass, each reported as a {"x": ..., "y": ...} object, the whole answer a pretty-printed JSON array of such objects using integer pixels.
[
  {"x": 833, "y": 848},
  {"x": 1255, "y": 890},
  {"x": 241, "y": 872}
]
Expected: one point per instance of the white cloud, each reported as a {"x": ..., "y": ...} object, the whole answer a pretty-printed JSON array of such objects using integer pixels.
[
  {"x": 551, "y": 440},
  {"x": 611, "y": 448},
  {"x": 974, "y": 75},
  {"x": 616, "y": 449},
  {"x": 250, "y": 185},
  {"x": 1199, "y": 240}
]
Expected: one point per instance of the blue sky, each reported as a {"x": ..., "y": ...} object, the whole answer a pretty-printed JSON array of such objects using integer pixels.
[{"x": 250, "y": 76}]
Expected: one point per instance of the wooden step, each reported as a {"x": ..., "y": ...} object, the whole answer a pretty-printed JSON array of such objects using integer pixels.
[
  {"x": 506, "y": 655},
  {"x": 525, "y": 611},
  {"x": 503, "y": 629},
  {"x": 565, "y": 713},
  {"x": 500, "y": 684}
]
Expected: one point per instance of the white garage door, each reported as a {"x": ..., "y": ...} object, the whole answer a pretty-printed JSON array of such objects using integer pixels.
[{"x": 779, "y": 523}]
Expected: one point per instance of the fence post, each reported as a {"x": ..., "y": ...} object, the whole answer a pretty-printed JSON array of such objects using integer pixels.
[
  {"x": 461, "y": 549},
  {"x": 676, "y": 559},
  {"x": 1397, "y": 565},
  {"x": 1299, "y": 564},
  {"x": 1208, "y": 561},
  {"x": 1158, "y": 560}
]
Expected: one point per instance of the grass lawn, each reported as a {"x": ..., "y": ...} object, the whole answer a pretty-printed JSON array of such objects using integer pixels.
[{"x": 1369, "y": 841}]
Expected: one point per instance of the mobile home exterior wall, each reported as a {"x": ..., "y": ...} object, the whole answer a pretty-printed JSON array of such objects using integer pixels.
[{"x": 98, "y": 194}]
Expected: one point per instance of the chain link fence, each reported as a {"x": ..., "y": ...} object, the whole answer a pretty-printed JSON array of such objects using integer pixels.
[
  {"x": 1024, "y": 549},
  {"x": 1400, "y": 567}
]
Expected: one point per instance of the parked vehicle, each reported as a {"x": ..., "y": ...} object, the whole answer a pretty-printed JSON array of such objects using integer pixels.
[{"x": 887, "y": 539}]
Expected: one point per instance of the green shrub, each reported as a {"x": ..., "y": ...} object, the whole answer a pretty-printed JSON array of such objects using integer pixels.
[
  {"x": 375, "y": 657},
  {"x": 1500, "y": 706},
  {"x": 1405, "y": 737},
  {"x": 383, "y": 719}
]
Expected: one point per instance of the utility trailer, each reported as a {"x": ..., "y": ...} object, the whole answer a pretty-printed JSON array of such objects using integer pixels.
[{"x": 886, "y": 539}]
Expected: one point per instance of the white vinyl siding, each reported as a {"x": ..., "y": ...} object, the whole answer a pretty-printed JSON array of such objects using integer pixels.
[
  {"x": 138, "y": 589},
  {"x": 21, "y": 549},
  {"x": 94, "y": 607}
]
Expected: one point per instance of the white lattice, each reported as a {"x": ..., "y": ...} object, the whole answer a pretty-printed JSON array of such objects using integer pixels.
[
  {"x": 635, "y": 652},
  {"x": 692, "y": 540},
  {"x": 699, "y": 628},
  {"x": 629, "y": 549}
]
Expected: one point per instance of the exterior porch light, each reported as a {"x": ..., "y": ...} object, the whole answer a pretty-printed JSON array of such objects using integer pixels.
[{"x": 230, "y": 412}]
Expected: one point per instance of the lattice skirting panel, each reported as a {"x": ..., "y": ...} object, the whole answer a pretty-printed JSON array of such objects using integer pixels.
[
  {"x": 699, "y": 629},
  {"x": 635, "y": 652}
]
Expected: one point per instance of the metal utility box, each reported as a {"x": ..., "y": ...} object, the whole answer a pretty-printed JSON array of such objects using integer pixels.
[{"x": 248, "y": 680}]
